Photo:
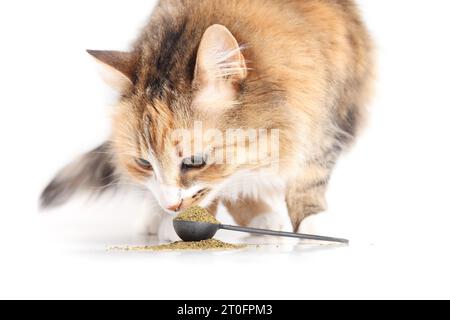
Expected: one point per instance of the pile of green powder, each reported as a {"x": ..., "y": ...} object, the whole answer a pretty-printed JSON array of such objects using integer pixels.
[
  {"x": 194, "y": 214},
  {"x": 181, "y": 246},
  {"x": 197, "y": 214}
]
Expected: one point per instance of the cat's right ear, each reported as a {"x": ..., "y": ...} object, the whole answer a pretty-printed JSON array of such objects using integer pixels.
[
  {"x": 219, "y": 58},
  {"x": 118, "y": 67}
]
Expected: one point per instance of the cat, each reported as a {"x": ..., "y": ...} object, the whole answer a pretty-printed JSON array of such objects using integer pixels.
[{"x": 301, "y": 67}]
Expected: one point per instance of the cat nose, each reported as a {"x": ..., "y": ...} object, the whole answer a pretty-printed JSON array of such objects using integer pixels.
[{"x": 176, "y": 207}]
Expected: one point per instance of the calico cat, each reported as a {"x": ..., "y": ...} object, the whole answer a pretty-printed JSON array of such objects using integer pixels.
[{"x": 301, "y": 67}]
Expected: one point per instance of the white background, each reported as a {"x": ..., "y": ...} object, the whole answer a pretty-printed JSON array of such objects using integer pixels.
[{"x": 389, "y": 195}]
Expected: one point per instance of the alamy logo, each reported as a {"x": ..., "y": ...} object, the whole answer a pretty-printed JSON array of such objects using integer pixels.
[{"x": 232, "y": 146}]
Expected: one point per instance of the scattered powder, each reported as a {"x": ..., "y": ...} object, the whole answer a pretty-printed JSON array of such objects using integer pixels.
[
  {"x": 197, "y": 214},
  {"x": 194, "y": 214},
  {"x": 181, "y": 245}
]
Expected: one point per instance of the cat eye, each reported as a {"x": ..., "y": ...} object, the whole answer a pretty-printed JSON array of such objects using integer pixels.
[
  {"x": 194, "y": 162},
  {"x": 144, "y": 164}
]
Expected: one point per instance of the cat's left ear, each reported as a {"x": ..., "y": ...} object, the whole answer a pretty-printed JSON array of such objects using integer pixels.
[
  {"x": 118, "y": 67},
  {"x": 219, "y": 58}
]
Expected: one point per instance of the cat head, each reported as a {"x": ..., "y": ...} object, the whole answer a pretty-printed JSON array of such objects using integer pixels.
[{"x": 177, "y": 102}]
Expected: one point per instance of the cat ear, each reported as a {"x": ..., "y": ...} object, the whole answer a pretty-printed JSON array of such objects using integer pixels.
[
  {"x": 219, "y": 57},
  {"x": 118, "y": 67}
]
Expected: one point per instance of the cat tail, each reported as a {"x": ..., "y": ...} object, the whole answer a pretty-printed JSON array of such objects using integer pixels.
[{"x": 94, "y": 172}]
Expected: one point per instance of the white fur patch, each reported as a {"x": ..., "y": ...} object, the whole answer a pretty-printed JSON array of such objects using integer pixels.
[{"x": 259, "y": 184}]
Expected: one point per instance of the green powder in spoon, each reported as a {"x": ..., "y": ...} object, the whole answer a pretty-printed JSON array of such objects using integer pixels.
[{"x": 197, "y": 214}]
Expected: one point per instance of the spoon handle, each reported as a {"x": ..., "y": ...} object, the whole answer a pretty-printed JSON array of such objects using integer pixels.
[{"x": 283, "y": 234}]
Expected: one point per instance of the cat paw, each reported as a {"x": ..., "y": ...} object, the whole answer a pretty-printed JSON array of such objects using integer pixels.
[
  {"x": 322, "y": 223},
  {"x": 166, "y": 231},
  {"x": 271, "y": 221}
]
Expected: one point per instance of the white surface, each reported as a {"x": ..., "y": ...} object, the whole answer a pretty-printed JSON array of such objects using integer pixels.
[{"x": 389, "y": 196}]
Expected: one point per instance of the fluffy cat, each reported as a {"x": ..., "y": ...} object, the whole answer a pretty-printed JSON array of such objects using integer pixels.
[{"x": 302, "y": 67}]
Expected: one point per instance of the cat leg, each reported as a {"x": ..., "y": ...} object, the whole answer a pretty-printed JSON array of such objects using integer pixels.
[
  {"x": 257, "y": 213},
  {"x": 305, "y": 196},
  {"x": 154, "y": 220},
  {"x": 166, "y": 231},
  {"x": 150, "y": 217}
]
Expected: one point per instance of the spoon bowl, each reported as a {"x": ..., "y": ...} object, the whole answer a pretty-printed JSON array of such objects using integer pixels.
[{"x": 195, "y": 231}]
